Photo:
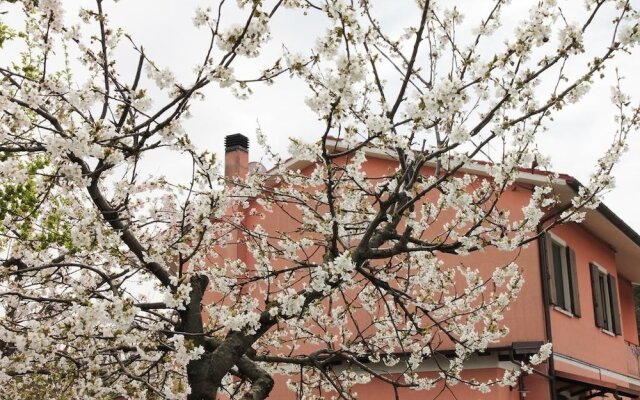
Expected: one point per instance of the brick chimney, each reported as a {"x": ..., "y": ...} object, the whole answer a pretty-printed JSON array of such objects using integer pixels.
[
  {"x": 236, "y": 156},
  {"x": 236, "y": 166}
]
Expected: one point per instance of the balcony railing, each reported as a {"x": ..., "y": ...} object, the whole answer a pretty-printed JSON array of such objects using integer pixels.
[{"x": 633, "y": 359}]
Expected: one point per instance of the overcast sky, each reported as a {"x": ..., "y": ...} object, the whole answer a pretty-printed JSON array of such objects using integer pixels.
[{"x": 577, "y": 137}]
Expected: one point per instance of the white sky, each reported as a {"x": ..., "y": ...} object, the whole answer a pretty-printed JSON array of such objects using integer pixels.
[{"x": 578, "y": 136}]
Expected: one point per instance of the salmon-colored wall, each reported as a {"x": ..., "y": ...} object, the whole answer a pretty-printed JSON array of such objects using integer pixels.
[
  {"x": 536, "y": 387},
  {"x": 579, "y": 337},
  {"x": 533, "y": 383},
  {"x": 576, "y": 337},
  {"x": 524, "y": 317}
]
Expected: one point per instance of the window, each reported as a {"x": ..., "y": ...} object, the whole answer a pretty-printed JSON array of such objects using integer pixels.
[
  {"x": 605, "y": 299},
  {"x": 562, "y": 274}
]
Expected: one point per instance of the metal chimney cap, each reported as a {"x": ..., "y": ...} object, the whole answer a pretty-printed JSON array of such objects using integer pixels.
[{"x": 237, "y": 141}]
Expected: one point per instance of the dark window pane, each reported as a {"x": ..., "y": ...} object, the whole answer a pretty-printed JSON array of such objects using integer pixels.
[
  {"x": 557, "y": 271},
  {"x": 603, "y": 293}
]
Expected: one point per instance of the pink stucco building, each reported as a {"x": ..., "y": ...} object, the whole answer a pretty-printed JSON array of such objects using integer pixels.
[{"x": 578, "y": 295}]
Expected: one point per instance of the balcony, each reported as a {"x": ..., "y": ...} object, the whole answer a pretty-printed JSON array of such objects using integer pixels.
[{"x": 633, "y": 359}]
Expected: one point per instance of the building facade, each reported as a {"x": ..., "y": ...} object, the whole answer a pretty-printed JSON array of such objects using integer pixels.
[{"x": 578, "y": 295}]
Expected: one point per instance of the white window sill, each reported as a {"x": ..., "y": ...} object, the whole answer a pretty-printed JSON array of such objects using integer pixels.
[
  {"x": 608, "y": 332},
  {"x": 563, "y": 311}
]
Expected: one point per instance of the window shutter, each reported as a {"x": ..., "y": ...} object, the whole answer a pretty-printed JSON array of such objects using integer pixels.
[
  {"x": 573, "y": 281},
  {"x": 551, "y": 280},
  {"x": 597, "y": 298},
  {"x": 615, "y": 310}
]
